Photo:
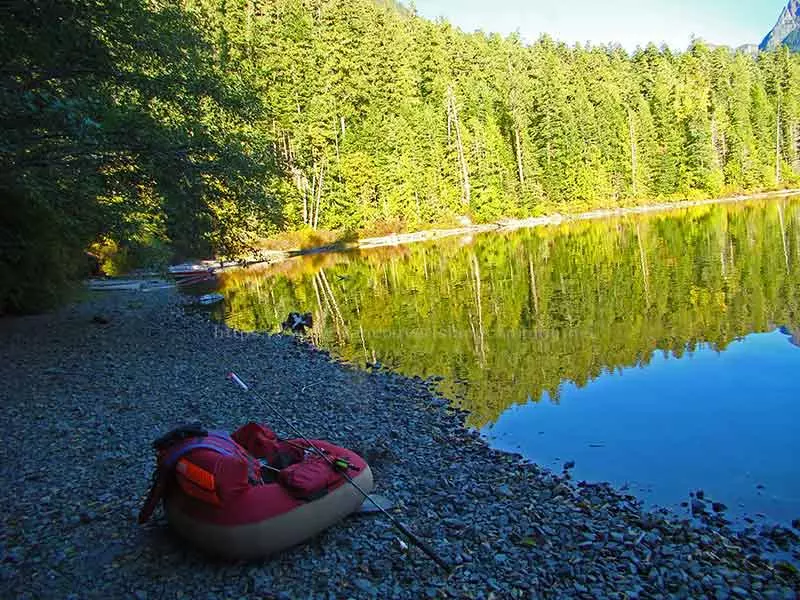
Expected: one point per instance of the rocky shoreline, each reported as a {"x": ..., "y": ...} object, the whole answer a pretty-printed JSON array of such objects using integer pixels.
[{"x": 87, "y": 389}]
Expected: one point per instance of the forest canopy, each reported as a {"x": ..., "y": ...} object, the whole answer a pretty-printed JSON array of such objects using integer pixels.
[{"x": 159, "y": 129}]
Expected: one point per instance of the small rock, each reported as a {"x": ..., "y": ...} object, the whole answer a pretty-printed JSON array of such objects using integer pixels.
[
  {"x": 504, "y": 490},
  {"x": 562, "y": 490},
  {"x": 718, "y": 507},
  {"x": 652, "y": 538},
  {"x": 796, "y": 523},
  {"x": 454, "y": 523},
  {"x": 698, "y": 507},
  {"x": 88, "y": 517},
  {"x": 14, "y": 555},
  {"x": 364, "y": 585}
]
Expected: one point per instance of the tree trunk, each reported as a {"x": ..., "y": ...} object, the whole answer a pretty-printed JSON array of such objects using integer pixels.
[
  {"x": 783, "y": 235},
  {"x": 320, "y": 182},
  {"x": 477, "y": 273},
  {"x": 453, "y": 118},
  {"x": 645, "y": 270},
  {"x": 519, "y": 155},
  {"x": 632, "y": 135},
  {"x": 724, "y": 148},
  {"x": 513, "y": 106},
  {"x": 717, "y": 143},
  {"x": 778, "y": 143},
  {"x": 534, "y": 292},
  {"x": 336, "y": 139},
  {"x": 548, "y": 154},
  {"x": 308, "y": 207}
]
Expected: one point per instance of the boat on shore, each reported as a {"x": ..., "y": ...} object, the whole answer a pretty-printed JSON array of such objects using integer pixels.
[
  {"x": 127, "y": 285},
  {"x": 222, "y": 499},
  {"x": 268, "y": 518},
  {"x": 209, "y": 299}
]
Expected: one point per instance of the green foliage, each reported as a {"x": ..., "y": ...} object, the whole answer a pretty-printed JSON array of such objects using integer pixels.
[
  {"x": 197, "y": 127},
  {"x": 41, "y": 259},
  {"x": 518, "y": 315},
  {"x": 405, "y": 119},
  {"x": 117, "y": 122}
]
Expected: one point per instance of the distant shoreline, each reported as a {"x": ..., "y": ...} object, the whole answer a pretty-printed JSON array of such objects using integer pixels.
[
  {"x": 558, "y": 218},
  {"x": 398, "y": 239}
]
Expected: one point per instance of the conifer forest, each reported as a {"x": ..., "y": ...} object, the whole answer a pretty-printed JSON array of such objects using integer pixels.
[{"x": 164, "y": 129}]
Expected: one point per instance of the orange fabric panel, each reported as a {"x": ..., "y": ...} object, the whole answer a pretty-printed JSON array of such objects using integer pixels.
[
  {"x": 195, "y": 474},
  {"x": 197, "y": 482},
  {"x": 229, "y": 472}
]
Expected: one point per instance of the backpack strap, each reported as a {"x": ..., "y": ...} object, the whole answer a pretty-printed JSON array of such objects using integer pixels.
[
  {"x": 218, "y": 441},
  {"x": 179, "y": 434}
]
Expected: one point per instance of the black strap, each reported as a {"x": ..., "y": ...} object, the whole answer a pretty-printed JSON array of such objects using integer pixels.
[{"x": 178, "y": 435}]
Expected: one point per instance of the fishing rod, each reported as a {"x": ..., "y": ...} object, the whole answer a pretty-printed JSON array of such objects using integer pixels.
[{"x": 397, "y": 524}]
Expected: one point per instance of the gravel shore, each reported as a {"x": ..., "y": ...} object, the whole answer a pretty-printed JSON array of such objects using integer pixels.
[{"x": 86, "y": 389}]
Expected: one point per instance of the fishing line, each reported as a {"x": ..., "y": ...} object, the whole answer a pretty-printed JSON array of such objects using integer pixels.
[{"x": 397, "y": 524}]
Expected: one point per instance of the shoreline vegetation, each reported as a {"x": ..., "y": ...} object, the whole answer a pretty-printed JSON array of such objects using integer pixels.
[
  {"x": 269, "y": 256},
  {"x": 149, "y": 133},
  {"x": 513, "y": 529}
]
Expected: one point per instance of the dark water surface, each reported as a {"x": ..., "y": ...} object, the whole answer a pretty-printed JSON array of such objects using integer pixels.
[{"x": 658, "y": 351}]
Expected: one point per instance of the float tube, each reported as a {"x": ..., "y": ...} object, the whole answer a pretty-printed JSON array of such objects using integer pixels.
[{"x": 216, "y": 500}]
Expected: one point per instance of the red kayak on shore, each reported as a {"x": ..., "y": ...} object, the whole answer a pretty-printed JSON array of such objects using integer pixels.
[{"x": 248, "y": 494}]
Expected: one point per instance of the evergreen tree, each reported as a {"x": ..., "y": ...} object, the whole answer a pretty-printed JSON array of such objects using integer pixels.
[{"x": 170, "y": 129}]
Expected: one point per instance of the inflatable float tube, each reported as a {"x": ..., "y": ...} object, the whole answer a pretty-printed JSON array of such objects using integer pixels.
[{"x": 267, "y": 518}]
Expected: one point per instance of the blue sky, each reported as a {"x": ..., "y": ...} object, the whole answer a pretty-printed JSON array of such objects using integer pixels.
[{"x": 628, "y": 22}]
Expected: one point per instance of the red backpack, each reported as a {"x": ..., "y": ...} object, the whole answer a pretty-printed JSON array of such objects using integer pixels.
[{"x": 221, "y": 465}]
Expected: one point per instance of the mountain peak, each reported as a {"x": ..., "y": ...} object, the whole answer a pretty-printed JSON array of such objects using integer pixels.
[{"x": 786, "y": 30}]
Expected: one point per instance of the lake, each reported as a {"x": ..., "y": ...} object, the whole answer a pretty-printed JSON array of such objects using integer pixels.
[{"x": 659, "y": 352}]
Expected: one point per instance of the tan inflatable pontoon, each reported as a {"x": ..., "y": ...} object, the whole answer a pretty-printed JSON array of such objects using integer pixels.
[{"x": 272, "y": 534}]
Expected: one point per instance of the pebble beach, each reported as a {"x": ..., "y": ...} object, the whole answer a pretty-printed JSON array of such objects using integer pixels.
[{"x": 88, "y": 388}]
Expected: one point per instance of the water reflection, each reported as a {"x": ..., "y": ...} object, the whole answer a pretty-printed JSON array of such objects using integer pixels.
[
  {"x": 512, "y": 317},
  {"x": 527, "y": 318},
  {"x": 724, "y": 422}
]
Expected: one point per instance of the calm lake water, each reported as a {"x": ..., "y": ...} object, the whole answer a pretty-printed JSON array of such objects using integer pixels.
[{"x": 659, "y": 352}]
